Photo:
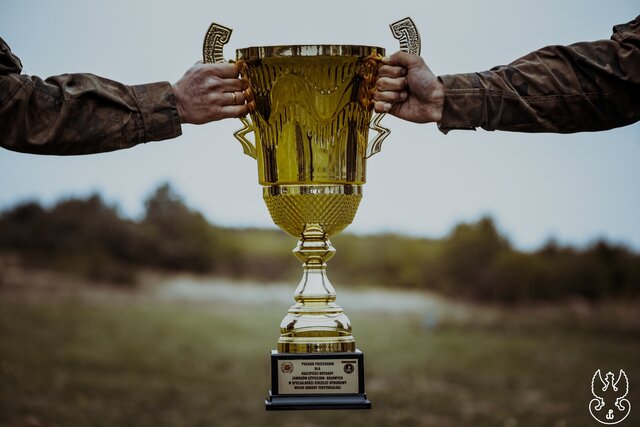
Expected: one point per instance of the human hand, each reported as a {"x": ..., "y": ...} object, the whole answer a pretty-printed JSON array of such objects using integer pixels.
[
  {"x": 406, "y": 88},
  {"x": 209, "y": 92}
]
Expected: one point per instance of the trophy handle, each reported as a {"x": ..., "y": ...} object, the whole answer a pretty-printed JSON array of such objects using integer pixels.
[
  {"x": 215, "y": 39},
  {"x": 406, "y": 32}
]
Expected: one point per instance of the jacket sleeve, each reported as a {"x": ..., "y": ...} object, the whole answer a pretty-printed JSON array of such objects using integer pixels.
[
  {"x": 80, "y": 113},
  {"x": 586, "y": 86}
]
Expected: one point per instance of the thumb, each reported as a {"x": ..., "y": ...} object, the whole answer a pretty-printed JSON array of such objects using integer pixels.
[{"x": 403, "y": 59}]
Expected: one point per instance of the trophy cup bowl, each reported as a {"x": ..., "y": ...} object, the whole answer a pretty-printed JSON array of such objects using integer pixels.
[{"x": 311, "y": 111}]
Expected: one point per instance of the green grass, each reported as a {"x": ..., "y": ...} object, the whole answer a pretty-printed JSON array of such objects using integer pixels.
[{"x": 139, "y": 362}]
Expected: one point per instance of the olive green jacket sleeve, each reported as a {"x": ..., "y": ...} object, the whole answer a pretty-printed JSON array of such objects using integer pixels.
[
  {"x": 586, "y": 86},
  {"x": 80, "y": 113}
]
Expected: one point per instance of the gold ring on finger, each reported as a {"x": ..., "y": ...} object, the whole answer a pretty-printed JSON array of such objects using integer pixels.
[{"x": 233, "y": 96}]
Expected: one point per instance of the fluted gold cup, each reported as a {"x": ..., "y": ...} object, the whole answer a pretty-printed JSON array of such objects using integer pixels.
[{"x": 311, "y": 113}]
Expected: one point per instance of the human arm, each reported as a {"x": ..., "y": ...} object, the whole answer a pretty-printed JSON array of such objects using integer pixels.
[
  {"x": 582, "y": 87},
  {"x": 84, "y": 113}
]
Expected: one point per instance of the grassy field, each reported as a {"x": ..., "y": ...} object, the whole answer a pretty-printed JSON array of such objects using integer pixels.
[{"x": 127, "y": 359}]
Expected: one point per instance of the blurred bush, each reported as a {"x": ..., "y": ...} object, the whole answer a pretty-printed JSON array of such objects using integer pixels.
[{"x": 90, "y": 238}]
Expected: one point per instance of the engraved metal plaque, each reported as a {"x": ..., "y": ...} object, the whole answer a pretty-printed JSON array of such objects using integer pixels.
[{"x": 317, "y": 381}]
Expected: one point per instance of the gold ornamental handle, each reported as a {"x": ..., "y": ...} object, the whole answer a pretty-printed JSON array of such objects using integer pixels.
[
  {"x": 406, "y": 32},
  {"x": 215, "y": 39}
]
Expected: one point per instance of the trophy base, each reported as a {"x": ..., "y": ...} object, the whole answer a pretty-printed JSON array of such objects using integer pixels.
[
  {"x": 317, "y": 381},
  {"x": 292, "y": 403}
]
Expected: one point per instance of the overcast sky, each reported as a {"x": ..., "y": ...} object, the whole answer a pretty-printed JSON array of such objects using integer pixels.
[{"x": 576, "y": 188}]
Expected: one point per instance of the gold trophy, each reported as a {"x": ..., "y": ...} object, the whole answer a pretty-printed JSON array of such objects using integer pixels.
[{"x": 312, "y": 113}]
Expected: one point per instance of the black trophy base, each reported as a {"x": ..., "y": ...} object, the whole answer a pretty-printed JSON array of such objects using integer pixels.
[
  {"x": 317, "y": 381},
  {"x": 302, "y": 402}
]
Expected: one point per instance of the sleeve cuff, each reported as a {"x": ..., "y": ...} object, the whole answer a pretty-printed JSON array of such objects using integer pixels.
[
  {"x": 157, "y": 105},
  {"x": 463, "y": 102}
]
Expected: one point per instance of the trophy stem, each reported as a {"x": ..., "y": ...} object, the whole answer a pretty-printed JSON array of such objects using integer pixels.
[{"x": 315, "y": 323}]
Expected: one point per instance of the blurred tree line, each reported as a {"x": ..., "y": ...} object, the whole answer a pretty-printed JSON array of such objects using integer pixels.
[{"x": 90, "y": 238}]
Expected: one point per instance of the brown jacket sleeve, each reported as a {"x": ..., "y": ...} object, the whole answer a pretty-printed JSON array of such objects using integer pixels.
[
  {"x": 80, "y": 113},
  {"x": 582, "y": 87}
]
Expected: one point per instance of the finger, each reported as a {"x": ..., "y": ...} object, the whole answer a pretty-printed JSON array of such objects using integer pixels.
[
  {"x": 232, "y": 98},
  {"x": 248, "y": 94},
  {"x": 237, "y": 98},
  {"x": 382, "y": 107},
  {"x": 235, "y": 110},
  {"x": 393, "y": 84},
  {"x": 390, "y": 96},
  {"x": 404, "y": 59},
  {"x": 221, "y": 69},
  {"x": 391, "y": 71},
  {"x": 232, "y": 85}
]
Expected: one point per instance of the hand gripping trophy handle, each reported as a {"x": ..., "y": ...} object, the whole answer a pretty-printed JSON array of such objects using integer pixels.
[
  {"x": 215, "y": 39},
  {"x": 406, "y": 33},
  {"x": 217, "y": 36}
]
